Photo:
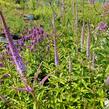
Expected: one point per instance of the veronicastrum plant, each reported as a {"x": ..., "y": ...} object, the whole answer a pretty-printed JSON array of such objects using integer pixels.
[{"x": 74, "y": 83}]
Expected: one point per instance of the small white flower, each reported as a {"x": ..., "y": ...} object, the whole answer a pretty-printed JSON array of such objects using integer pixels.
[{"x": 106, "y": 103}]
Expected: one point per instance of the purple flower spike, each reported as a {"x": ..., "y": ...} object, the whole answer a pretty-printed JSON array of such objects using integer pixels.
[
  {"x": 43, "y": 80},
  {"x": 56, "y": 53},
  {"x": 102, "y": 26},
  {"x": 21, "y": 42},
  {"x": 28, "y": 89},
  {"x": 41, "y": 31},
  {"x": 88, "y": 42},
  {"x": 21, "y": 89},
  {"x": 14, "y": 52},
  {"x": 1, "y": 65}
]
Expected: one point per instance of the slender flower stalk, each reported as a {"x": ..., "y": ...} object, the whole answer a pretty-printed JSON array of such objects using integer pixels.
[
  {"x": 76, "y": 18},
  {"x": 76, "y": 25},
  {"x": 55, "y": 42},
  {"x": 16, "y": 57},
  {"x": 73, "y": 8},
  {"x": 82, "y": 36},
  {"x": 88, "y": 42},
  {"x": 55, "y": 52},
  {"x": 15, "y": 54},
  {"x": 37, "y": 74},
  {"x": 24, "y": 89},
  {"x": 73, "y": 16},
  {"x": 56, "y": 58},
  {"x": 43, "y": 80}
]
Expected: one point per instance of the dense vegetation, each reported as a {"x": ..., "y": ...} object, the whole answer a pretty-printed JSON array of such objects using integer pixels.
[{"x": 54, "y": 54}]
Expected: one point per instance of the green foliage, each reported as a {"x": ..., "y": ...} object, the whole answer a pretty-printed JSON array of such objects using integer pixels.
[{"x": 83, "y": 87}]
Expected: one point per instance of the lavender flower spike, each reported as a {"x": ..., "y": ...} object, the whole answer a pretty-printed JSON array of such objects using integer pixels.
[
  {"x": 88, "y": 43},
  {"x": 14, "y": 52},
  {"x": 54, "y": 41},
  {"x": 56, "y": 53},
  {"x": 43, "y": 80},
  {"x": 102, "y": 26},
  {"x": 82, "y": 36},
  {"x": 28, "y": 89},
  {"x": 1, "y": 65}
]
